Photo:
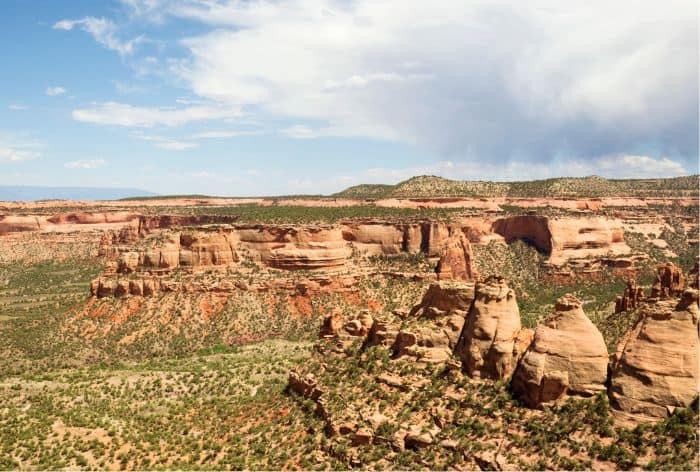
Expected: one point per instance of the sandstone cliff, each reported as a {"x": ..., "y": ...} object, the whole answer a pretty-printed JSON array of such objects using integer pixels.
[
  {"x": 457, "y": 260},
  {"x": 568, "y": 356},
  {"x": 656, "y": 366}
]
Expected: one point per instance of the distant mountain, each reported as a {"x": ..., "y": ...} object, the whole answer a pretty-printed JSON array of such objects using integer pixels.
[
  {"x": 429, "y": 186},
  {"x": 29, "y": 193}
]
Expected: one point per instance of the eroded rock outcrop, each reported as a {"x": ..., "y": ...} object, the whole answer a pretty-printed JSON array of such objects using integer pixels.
[
  {"x": 487, "y": 345},
  {"x": 566, "y": 238},
  {"x": 656, "y": 364},
  {"x": 344, "y": 330},
  {"x": 457, "y": 260},
  {"x": 630, "y": 299},
  {"x": 434, "y": 325},
  {"x": 567, "y": 356},
  {"x": 669, "y": 281}
]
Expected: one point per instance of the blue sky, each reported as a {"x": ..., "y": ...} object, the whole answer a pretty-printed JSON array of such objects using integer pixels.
[{"x": 310, "y": 96}]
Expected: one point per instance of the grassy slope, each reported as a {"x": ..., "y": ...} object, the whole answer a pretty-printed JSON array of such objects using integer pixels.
[{"x": 432, "y": 186}]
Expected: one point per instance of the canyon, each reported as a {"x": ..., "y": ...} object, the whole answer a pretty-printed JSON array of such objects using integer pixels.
[{"x": 420, "y": 320}]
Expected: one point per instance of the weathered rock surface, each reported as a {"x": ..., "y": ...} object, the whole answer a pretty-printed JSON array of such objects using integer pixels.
[
  {"x": 444, "y": 297},
  {"x": 437, "y": 322},
  {"x": 669, "y": 281},
  {"x": 566, "y": 238},
  {"x": 487, "y": 343},
  {"x": 567, "y": 356},
  {"x": 630, "y": 299},
  {"x": 66, "y": 222},
  {"x": 656, "y": 367},
  {"x": 457, "y": 260}
]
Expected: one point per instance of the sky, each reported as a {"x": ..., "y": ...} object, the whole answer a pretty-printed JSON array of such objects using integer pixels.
[{"x": 246, "y": 98}]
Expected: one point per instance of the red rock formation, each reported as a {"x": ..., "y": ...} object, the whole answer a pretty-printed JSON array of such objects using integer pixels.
[
  {"x": 656, "y": 364},
  {"x": 567, "y": 356},
  {"x": 630, "y": 299},
  {"x": 566, "y": 238},
  {"x": 669, "y": 281},
  {"x": 457, "y": 259},
  {"x": 437, "y": 323},
  {"x": 442, "y": 298},
  {"x": 487, "y": 343},
  {"x": 532, "y": 229},
  {"x": 331, "y": 324}
]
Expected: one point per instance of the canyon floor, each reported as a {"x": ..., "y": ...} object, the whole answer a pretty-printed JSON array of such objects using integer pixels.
[{"x": 200, "y": 333}]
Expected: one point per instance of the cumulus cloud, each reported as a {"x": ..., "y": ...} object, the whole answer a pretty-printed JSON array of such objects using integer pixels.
[
  {"x": 103, "y": 30},
  {"x": 53, "y": 91},
  {"x": 499, "y": 80},
  {"x": 85, "y": 164},
  {"x": 121, "y": 114}
]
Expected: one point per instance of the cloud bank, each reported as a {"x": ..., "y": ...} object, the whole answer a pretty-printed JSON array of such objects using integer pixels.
[
  {"x": 533, "y": 88},
  {"x": 501, "y": 80}
]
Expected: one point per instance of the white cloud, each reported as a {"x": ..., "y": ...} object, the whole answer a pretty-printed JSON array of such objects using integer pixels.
[
  {"x": 499, "y": 80},
  {"x": 221, "y": 134},
  {"x": 18, "y": 148},
  {"x": 15, "y": 107},
  {"x": 85, "y": 164},
  {"x": 17, "y": 154},
  {"x": 53, "y": 91},
  {"x": 121, "y": 114},
  {"x": 176, "y": 145},
  {"x": 631, "y": 166},
  {"x": 164, "y": 142},
  {"x": 104, "y": 32}
]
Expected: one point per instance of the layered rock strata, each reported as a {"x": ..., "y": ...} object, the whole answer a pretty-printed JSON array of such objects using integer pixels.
[
  {"x": 656, "y": 364},
  {"x": 567, "y": 356}
]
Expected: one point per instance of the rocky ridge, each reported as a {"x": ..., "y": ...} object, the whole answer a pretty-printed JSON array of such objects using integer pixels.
[{"x": 475, "y": 328}]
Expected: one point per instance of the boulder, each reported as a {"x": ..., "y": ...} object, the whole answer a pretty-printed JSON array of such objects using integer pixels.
[
  {"x": 567, "y": 356},
  {"x": 656, "y": 364},
  {"x": 382, "y": 333},
  {"x": 331, "y": 324},
  {"x": 487, "y": 343},
  {"x": 424, "y": 344},
  {"x": 306, "y": 385}
]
